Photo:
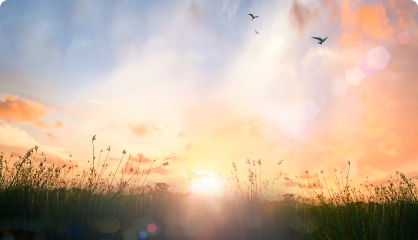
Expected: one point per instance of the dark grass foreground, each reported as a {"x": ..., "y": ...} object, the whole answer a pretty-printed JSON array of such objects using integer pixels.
[{"x": 39, "y": 202}]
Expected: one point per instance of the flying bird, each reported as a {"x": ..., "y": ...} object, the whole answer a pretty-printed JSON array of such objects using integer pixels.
[
  {"x": 256, "y": 32},
  {"x": 320, "y": 39},
  {"x": 252, "y": 16}
]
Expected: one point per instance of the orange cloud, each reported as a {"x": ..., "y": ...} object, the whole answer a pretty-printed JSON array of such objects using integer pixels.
[
  {"x": 17, "y": 110},
  {"x": 390, "y": 145},
  {"x": 365, "y": 21},
  {"x": 43, "y": 124},
  {"x": 143, "y": 129},
  {"x": 350, "y": 148},
  {"x": 51, "y": 136},
  {"x": 350, "y": 39},
  {"x": 164, "y": 171},
  {"x": 376, "y": 119},
  {"x": 141, "y": 157}
]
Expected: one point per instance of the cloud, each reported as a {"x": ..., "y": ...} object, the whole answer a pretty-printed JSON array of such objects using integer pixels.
[
  {"x": 301, "y": 16},
  {"x": 16, "y": 137},
  {"x": 365, "y": 21},
  {"x": 143, "y": 129},
  {"x": 141, "y": 157},
  {"x": 376, "y": 118},
  {"x": 391, "y": 145},
  {"x": 42, "y": 124},
  {"x": 164, "y": 171},
  {"x": 17, "y": 110},
  {"x": 51, "y": 136},
  {"x": 177, "y": 157}
]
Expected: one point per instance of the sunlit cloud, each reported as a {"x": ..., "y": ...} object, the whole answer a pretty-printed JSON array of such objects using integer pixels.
[
  {"x": 144, "y": 129},
  {"x": 51, "y": 136},
  {"x": 164, "y": 171},
  {"x": 17, "y": 110}
]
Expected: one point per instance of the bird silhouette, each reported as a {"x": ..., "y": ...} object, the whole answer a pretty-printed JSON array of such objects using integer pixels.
[
  {"x": 256, "y": 32},
  {"x": 320, "y": 39},
  {"x": 252, "y": 16}
]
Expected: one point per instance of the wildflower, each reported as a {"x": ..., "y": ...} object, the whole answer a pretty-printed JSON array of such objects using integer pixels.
[
  {"x": 306, "y": 172},
  {"x": 348, "y": 162},
  {"x": 93, "y": 138},
  {"x": 124, "y": 152},
  {"x": 108, "y": 149},
  {"x": 165, "y": 164},
  {"x": 322, "y": 171}
]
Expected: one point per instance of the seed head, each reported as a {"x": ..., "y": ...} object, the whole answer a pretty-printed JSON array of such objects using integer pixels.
[
  {"x": 93, "y": 138},
  {"x": 124, "y": 152}
]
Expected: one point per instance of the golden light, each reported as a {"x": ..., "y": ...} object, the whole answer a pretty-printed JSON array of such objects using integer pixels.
[{"x": 206, "y": 185}]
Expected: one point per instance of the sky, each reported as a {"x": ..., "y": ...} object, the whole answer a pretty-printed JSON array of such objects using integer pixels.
[{"x": 190, "y": 80}]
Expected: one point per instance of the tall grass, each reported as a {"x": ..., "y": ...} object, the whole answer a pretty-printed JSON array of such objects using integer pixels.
[{"x": 57, "y": 202}]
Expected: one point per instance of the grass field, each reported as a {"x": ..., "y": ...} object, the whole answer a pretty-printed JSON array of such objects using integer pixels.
[{"x": 39, "y": 202}]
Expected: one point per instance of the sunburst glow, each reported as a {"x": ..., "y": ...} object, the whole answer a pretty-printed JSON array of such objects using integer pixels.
[{"x": 206, "y": 185}]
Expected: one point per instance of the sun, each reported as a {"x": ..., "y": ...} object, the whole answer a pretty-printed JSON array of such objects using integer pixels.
[{"x": 206, "y": 185}]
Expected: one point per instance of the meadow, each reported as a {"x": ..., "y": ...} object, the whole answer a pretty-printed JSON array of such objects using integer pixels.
[{"x": 59, "y": 202}]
